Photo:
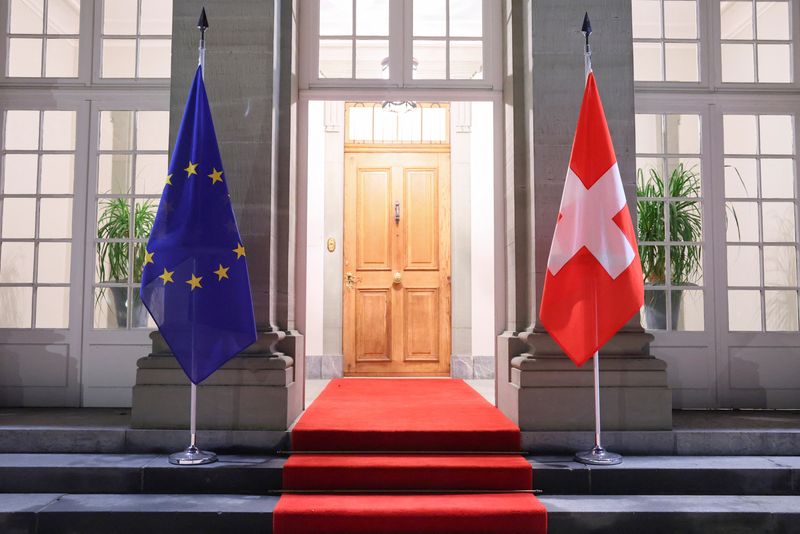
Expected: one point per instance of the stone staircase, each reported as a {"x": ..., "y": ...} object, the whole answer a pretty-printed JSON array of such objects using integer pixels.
[{"x": 126, "y": 493}]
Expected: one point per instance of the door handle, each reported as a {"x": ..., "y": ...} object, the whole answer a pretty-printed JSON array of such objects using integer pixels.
[
  {"x": 396, "y": 211},
  {"x": 350, "y": 280},
  {"x": 397, "y": 278}
]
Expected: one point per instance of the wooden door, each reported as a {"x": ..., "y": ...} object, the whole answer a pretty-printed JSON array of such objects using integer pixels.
[{"x": 397, "y": 264}]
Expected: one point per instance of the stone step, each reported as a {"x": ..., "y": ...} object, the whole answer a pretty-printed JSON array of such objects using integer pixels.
[
  {"x": 260, "y": 475},
  {"x": 46, "y": 513}
]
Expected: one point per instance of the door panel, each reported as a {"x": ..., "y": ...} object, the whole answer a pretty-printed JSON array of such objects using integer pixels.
[{"x": 397, "y": 264}]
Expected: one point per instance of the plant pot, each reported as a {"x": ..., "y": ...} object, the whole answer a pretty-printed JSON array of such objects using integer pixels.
[
  {"x": 119, "y": 296},
  {"x": 655, "y": 306}
]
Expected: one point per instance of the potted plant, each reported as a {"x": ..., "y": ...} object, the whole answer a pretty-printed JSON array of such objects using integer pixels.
[
  {"x": 114, "y": 222},
  {"x": 685, "y": 226}
]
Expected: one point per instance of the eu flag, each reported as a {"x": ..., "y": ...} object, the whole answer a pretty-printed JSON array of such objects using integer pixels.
[{"x": 195, "y": 282}]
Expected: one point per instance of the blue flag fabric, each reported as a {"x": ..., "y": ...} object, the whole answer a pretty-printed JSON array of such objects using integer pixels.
[{"x": 195, "y": 282}]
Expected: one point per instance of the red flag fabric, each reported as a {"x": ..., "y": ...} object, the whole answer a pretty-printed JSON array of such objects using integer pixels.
[{"x": 593, "y": 284}]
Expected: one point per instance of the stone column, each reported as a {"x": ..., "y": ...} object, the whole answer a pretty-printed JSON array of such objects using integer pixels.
[
  {"x": 537, "y": 385},
  {"x": 262, "y": 388}
]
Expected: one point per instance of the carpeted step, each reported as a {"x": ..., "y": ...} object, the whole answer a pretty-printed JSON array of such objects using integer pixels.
[
  {"x": 403, "y": 415},
  {"x": 407, "y": 472},
  {"x": 500, "y": 513}
]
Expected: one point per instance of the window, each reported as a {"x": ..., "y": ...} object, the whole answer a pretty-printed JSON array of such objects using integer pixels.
[
  {"x": 666, "y": 42},
  {"x": 447, "y": 40},
  {"x": 131, "y": 171},
  {"x": 354, "y": 39},
  {"x": 756, "y": 41},
  {"x": 38, "y": 164},
  {"x": 43, "y": 38},
  {"x": 424, "y": 123},
  {"x": 136, "y": 38},
  {"x": 669, "y": 190},
  {"x": 761, "y": 222}
]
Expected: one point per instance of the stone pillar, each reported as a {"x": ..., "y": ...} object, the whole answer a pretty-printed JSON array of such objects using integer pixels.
[
  {"x": 262, "y": 388},
  {"x": 537, "y": 385}
]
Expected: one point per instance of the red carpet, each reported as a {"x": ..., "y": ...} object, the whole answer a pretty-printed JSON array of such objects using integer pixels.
[{"x": 375, "y": 417}]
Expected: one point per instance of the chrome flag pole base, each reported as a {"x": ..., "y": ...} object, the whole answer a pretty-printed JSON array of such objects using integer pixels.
[
  {"x": 192, "y": 456},
  {"x": 598, "y": 456}
]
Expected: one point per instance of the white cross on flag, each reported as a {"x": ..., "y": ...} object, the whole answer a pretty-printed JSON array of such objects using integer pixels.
[{"x": 594, "y": 281}]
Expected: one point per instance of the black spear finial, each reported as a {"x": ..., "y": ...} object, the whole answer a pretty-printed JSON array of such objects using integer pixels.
[
  {"x": 202, "y": 23},
  {"x": 586, "y": 29}
]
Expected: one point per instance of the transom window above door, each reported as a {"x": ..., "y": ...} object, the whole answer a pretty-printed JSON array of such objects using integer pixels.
[{"x": 399, "y": 43}]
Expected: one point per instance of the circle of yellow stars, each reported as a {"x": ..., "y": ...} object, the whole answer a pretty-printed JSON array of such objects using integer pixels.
[{"x": 195, "y": 281}]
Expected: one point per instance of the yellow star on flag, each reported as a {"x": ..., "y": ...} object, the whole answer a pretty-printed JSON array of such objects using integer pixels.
[
  {"x": 216, "y": 176},
  {"x": 222, "y": 272},
  {"x": 169, "y": 179},
  {"x": 167, "y": 276},
  {"x": 194, "y": 281},
  {"x": 191, "y": 169},
  {"x": 239, "y": 250},
  {"x": 148, "y": 257}
]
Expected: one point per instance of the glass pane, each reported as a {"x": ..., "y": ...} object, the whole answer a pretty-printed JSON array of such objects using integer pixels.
[
  {"x": 654, "y": 312},
  {"x": 25, "y": 58},
  {"x": 777, "y": 178},
  {"x": 743, "y": 269},
  {"x": 26, "y": 16},
  {"x": 647, "y": 62},
  {"x": 111, "y": 307},
  {"x": 152, "y": 130},
  {"x": 651, "y": 221},
  {"x": 116, "y": 130},
  {"x": 19, "y": 217},
  {"x": 780, "y": 266},
  {"x": 466, "y": 18},
  {"x": 681, "y": 62},
  {"x": 146, "y": 209},
  {"x": 359, "y": 124},
  {"x": 744, "y": 310},
  {"x": 466, "y": 60},
  {"x": 52, "y": 307},
  {"x": 114, "y": 174},
  {"x": 55, "y": 218},
  {"x": 372, "y": 17},
  {"x": 155, "y": 56},
  {"x": 737, "y": 63},
  {"x": 434, "y": 124},
  {"x": 736, "y": 19},
  {"x": 16, "y": 262},
  {"x": 54, "y": 263},
  {"x": 63, "y": 16},
  {"x": 385, "y": 126},
  {"x": 431, "y": 60},
  {"x": 430, "y": 18},
  {"x": 686, "y": 265},
  {"x": 741, "y": 178},
  {"x": 740, "y": 134},
  {"x": 684, "y": 177},
  {"x": 687, "y": 311},
  {"x": 62, "y": 58},
  {"x": 113, "y": 219},
  {"x": 779, "y": 221},
  {"x": 139, "y": 316},
  {"x": 58, "y": 174},
  {"x": 409, "y": 125},
  {"x": 777, "y": 134},
  {"x": 16, "y": 306},
  {"x": 781, "y": 308},
  {"x": 683, "y": 134},
  {"x": 685, "y": 221},
  {"x": 156, "y": 18},
  {"x": 119, "y": 17},
  {"x": 119, "y": 58},
  {"x": 653, "y": 264},
  {"x": 646, "y": 180},
  {"x": 372, "y": 59},
  {"x": 150, "y": 172},
  {"x": 774, "y": 63},
  {"x": 646, "y": 19},
  {"x": 111, "y": 262},
  {"x": 335, "y": 17},
  {"x": 19, "y": 174},
  {"x": 22, "y": 129},
  {"x": 335, "y": 58},
  {"x": 649, "y": 134},
  {"x": 741, "y": 220},
  {"x": 680, "y": 19},
  {"x": 772, "y": 20},
  {"x": 58, "y": 130}
]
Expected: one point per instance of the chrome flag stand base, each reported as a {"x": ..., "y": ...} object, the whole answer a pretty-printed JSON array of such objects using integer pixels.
[
  {"x": 192, "y": 455},
  {"x": 598, "y": 455}
]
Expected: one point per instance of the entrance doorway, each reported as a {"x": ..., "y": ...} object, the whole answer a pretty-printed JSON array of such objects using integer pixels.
[{"x": 396, "y": 290}]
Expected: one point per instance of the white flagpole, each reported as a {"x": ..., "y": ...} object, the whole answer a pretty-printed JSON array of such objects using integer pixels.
[
  {"x": 597, "y": 455},
  {"x": 193, "y": 455}
]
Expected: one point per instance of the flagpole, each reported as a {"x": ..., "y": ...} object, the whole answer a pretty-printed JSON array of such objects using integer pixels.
[
  {"x": 192, "y": 455},
  {"x": 597, "y": 455}
]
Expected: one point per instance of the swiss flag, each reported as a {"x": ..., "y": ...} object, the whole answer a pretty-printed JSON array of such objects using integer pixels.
[{"x": 594, "y": 281}]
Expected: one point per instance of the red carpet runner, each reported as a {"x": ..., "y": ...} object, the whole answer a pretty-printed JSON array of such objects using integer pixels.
[{"x": 426, "y": 456}]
